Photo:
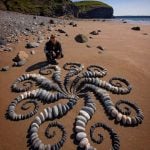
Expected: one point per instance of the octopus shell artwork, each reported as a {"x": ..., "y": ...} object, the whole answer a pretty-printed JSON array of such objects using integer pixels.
[{"x": 77, "y": 84}]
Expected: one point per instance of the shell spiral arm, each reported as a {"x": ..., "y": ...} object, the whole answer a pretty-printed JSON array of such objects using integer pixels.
[{"x": 77, "y": 84}]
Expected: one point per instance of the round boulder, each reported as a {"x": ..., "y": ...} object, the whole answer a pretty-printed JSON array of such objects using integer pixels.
[
  {"x": 81, "y": 38},
  {"x": 21, "y": 56}
]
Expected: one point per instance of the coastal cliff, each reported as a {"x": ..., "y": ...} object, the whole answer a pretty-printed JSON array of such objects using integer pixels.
[
  {"x": 57, "y": 8},
  {"x": 51, "y": 8},
  {"x": 94, "y": 9}
]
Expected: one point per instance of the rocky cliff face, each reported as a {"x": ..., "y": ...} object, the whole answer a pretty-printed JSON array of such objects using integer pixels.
[
  {"x": 94, "y": 9},
  {"x": 56, "y": 8},
  {"x": 98, "y": 12},
  {"x": 52, "y": 8}
]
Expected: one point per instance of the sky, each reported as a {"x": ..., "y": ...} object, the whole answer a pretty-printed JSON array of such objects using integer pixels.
[{"x": 129, "y": 7}]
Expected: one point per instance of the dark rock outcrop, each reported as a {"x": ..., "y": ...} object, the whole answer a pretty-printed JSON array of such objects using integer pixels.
[{"x": 97, "y": 12}]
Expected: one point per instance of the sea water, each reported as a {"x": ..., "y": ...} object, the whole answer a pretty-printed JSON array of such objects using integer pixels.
[{"x": 135, "y": 19}]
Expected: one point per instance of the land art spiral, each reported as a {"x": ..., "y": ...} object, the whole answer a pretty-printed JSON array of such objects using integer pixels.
[{"x": 77, "y": 84}]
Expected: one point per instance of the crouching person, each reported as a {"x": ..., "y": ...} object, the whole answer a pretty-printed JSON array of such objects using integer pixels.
[{"x": 53, "y": 50}]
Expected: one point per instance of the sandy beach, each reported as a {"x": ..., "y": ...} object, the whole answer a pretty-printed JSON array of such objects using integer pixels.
[{"x": 126, "y": 54}]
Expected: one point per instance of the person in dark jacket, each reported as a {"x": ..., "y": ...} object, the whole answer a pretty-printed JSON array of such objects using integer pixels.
[{"x": 53, "y": 50}]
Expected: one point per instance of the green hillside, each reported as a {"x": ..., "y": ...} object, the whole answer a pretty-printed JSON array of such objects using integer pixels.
[
  {"x": 87, "y": 5},
  {"x": 39, "y": 7}
]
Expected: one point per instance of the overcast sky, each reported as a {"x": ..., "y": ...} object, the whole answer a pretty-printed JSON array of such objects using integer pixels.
[{"x": 129, "y": 7}]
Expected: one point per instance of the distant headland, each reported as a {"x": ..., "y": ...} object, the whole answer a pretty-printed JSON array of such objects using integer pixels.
[{"x": 57, "y": 8}]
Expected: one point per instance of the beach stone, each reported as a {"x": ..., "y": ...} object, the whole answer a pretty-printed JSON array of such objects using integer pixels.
[
  {"x": 82, "y": 118},
  {"x": 61, "y": 31},
  {"x": 32, "y": 45},
  {"x": 2, "y": 41},
  {"x": 21, "y": 56},
  {"x": 136, "y": 28},
  {"x": 5, "y": 68},
  {"x": 80, "y": 123},
  {"x": 42, "y": 24},
  {"x": 100, "y": 47},
  {"x": 71, "y": 23},
  {"x": 52, "y": 21},
  {"x": 124, "y": 118},
  {"x": 83, "y": 142},
  {"x": 94, "y": 33},
  {"x": 88, "y": 46},
  {"x": 119, "y": 117},
  {"x": 79, "y": 129},
  {"x": 21, "y": 63},
  {"x": 32, "y": 52},
  {"x": 74, "y": 25},
  {"x": 85, "y": 114},
  {"x": 81, "y": 38},
  {"x": 8, "y": 49},
  {"x": 40, "y": 39},
  {"x": 55, "y": 111},
  {"x": 80, "y": 136}
]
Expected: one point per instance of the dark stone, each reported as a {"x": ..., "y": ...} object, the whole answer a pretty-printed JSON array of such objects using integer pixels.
[
  {"x": 81, "y": 38},
  {"x": 6, "y": 68},
  {"x": 100, "y": 47},
  {"x": 61, "y": 31},
  {"x": 52, "y": 21},
  {"x": 3, "y": 41},
  {"x": 94, "y": 33},
  {"x": 97, "y": 12},
  {"x": 136, "y": 28}
]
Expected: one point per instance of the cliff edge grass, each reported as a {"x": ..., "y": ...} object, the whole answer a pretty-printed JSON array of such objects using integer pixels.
[
  {"x": 39, "y": 7},
  {"x": 94, "y": 9},
  {"x": 56, "y": 8}
]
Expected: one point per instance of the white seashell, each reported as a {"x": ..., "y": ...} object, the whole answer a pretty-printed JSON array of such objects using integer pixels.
[
  {"x": 83, "y": 142},
  {"x": 80, "y": 136},
  {"x": 79, "y": 129},
  {"x": 85, "y": 114}
]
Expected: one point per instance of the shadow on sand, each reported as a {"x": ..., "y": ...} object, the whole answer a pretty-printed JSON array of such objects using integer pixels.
[{"x": 37, "y": 66}]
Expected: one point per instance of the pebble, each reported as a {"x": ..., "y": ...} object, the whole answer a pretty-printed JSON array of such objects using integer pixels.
[{"x": 80, "y": 136}]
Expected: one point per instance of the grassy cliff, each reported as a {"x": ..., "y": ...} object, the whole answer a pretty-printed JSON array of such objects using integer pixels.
[
  {"x": 87, "y": 9},
  {"x": 87, "y": 5},
  {"x": 38, "y": 7}
]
